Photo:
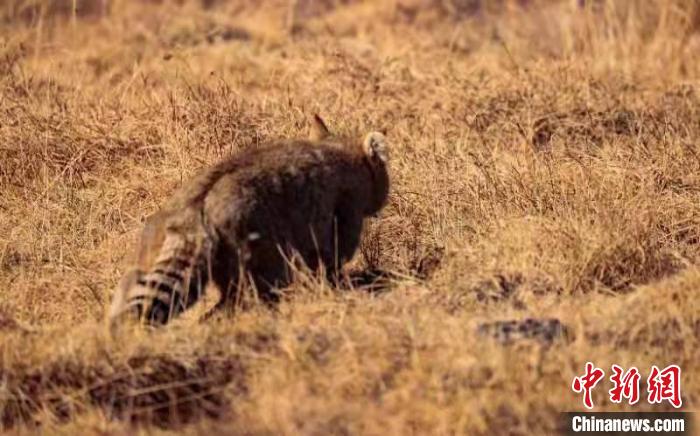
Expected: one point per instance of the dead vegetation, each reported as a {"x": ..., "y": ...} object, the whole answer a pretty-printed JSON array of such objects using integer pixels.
[{"x": 545, "y": 165}]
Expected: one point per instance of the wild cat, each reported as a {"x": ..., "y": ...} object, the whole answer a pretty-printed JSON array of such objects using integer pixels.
[{"x": 245, "y": 220}]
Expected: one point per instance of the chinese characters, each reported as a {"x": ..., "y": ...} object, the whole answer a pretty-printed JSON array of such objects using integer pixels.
[{"x": 662, "y": 384}]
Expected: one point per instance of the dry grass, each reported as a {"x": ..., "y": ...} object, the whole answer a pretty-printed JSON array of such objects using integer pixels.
[{"x": 545, "y": 163}]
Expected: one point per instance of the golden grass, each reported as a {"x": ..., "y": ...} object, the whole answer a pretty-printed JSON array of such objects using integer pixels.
[{"x": 545, "y": 164}]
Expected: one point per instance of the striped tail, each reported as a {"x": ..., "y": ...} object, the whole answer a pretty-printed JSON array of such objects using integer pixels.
[{"x": 175, "y": 282}]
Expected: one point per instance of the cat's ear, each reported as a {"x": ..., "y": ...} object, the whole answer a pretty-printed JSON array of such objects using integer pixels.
[
  {"x": 318, "y": 130},
  {"x": 375, "y": 146}
]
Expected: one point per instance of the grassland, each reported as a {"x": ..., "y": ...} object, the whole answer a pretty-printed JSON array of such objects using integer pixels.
[{"x": 545, "y": 163}]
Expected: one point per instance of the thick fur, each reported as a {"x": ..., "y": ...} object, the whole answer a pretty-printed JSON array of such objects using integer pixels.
[{"x": 244, "y": 220}]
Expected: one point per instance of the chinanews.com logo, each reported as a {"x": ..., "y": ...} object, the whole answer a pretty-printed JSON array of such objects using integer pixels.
[{"x": 663, "y": 385}]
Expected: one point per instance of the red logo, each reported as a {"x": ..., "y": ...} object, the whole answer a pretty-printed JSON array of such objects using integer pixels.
[
  {"x": 626, "y": 385},
  {"x": 665, "y": 385},
  {"x": 587, "y": 382}
]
